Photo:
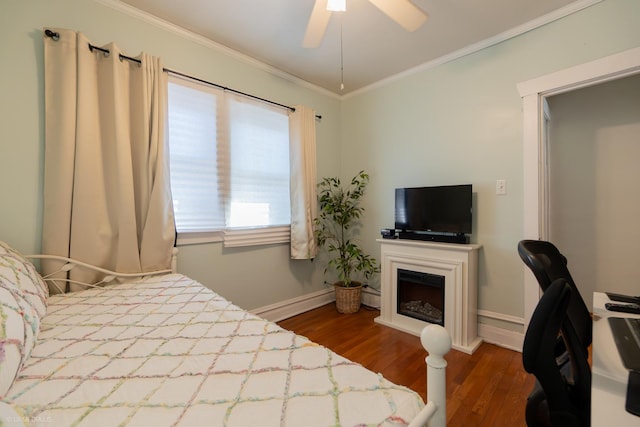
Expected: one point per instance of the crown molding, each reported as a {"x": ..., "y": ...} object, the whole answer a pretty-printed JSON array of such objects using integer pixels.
[
  {"x": 468, "y": 50},
  {"x": 210, "y": 44},
  {"x": 483, "y": 44}
]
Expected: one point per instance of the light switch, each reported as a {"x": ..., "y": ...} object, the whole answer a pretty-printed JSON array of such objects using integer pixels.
[{"x": 501, "y": 186}]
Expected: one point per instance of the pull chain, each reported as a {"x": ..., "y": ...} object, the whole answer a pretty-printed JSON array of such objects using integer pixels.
[{"x": 341, "y": 60}]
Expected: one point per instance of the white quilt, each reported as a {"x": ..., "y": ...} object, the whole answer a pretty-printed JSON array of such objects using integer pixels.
[{"x": 167, "y": 351}]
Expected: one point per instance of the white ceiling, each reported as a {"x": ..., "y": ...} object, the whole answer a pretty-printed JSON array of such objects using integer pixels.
[{"x": 374, "y": 46}]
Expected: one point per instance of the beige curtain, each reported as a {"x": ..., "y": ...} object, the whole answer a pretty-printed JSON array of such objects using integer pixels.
[
  {"x": 107, "y": 196},
  {"x": 304, "y": 204}
]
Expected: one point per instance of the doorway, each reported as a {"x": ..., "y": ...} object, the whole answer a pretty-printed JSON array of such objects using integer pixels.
[
  {"x": 594, "y": 201},
  {"x": 534, "y": 93}
]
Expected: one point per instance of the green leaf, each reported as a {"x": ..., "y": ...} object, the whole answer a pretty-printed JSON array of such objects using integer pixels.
[{"x": 338, "y": 222}]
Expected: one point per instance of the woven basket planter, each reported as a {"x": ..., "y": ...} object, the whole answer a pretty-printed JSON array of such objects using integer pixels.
[{"x": 348, "y": 299}]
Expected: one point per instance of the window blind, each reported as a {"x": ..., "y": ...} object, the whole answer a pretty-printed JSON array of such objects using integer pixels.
[
  {"x": 229, "y": 163},
  {"x": 195, "y": 112},
  {"x": 259, "y": 164}
]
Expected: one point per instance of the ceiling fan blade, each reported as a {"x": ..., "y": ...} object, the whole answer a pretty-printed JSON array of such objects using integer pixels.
[
  {"x": 403, "y": 12},
  {"x": 317, "y": 24}
]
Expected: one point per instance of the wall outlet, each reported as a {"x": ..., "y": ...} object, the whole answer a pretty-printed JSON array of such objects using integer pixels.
[{"x": 501, "y": 186}]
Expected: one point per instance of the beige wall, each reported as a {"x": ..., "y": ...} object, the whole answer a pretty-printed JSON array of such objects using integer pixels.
[
  {"x": 252, "y": 277},
  {"x": 460, "y": 122},
  {"x": 594, "y": 175}
]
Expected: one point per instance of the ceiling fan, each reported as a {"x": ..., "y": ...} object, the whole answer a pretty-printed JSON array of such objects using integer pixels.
[{"x": 403, "y": 12}]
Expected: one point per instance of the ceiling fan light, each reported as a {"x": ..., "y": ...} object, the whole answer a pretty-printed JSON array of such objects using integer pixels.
[{"x": 337, "y": 5}]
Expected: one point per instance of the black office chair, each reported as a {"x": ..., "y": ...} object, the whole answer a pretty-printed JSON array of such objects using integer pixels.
[
  {"x": 562, "y": 396},
  {"x": 548, "y": 264}
]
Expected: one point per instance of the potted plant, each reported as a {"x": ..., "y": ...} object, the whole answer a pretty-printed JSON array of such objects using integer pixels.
[{"x": 335, "y": 228}]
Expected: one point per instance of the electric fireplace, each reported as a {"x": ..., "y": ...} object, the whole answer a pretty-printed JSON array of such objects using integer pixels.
[{"x": 427, "y": 282}]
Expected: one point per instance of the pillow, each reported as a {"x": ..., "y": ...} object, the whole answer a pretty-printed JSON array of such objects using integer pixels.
[
  {"x": 13, "y": 334},
  {"x": 21, "y": 272},
  {"x": 23, "y": 296}
]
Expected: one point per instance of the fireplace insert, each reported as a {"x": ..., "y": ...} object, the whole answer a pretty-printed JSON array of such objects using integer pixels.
[{"x": 421, "y": 296}]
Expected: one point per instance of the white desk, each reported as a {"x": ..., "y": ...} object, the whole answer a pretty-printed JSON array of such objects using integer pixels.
[{"x": 609, "y": 376}]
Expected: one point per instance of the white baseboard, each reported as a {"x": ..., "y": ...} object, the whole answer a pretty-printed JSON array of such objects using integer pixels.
[
  {"x": 371, "y": 297},
  {"x": 291, "y": 307},
  {"x": 283, "y": 310},
  {"x": 499, "y": 336},
  {"x": 502, "y": 337}
]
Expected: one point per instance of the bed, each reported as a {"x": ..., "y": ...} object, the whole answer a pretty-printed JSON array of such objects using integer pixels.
[{"x": 166, "y": 350}]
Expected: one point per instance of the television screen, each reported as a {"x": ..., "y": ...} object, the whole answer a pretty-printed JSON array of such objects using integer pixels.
[{"x": 443, "y": 209}]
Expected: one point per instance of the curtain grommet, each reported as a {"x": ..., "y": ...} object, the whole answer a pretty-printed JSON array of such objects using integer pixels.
[{"x": 55, "y": 36}]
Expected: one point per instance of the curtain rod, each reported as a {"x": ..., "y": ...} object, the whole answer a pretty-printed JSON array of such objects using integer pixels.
[
  {"x": 56, "y": 36},
  {"x": 177, "y": 73}
]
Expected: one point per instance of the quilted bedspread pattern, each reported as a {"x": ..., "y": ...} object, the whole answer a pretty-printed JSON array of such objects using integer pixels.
[{"x": 169, "y": 351}]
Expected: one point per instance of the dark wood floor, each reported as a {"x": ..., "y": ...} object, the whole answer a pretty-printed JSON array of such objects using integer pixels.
[{"x": 488, "y": 388}]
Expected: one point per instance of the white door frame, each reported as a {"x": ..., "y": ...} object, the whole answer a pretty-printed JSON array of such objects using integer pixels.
[{"x": 533, "y": 93}]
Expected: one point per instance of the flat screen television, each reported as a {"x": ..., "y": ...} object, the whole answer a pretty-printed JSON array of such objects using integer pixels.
[{"x": 436, "y": 210}]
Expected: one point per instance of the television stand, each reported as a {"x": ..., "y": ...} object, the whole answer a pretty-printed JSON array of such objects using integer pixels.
[{"x": 428, "y": 237}]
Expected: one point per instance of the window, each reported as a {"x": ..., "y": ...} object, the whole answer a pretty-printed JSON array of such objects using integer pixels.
[{"x": 229, "y": 161}]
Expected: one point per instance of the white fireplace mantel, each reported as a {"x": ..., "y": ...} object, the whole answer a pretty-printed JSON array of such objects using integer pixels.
[{"x": 458, "y": 263}]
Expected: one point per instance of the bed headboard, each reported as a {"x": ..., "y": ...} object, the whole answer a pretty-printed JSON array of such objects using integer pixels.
[{"x": 54, "y": 279}]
